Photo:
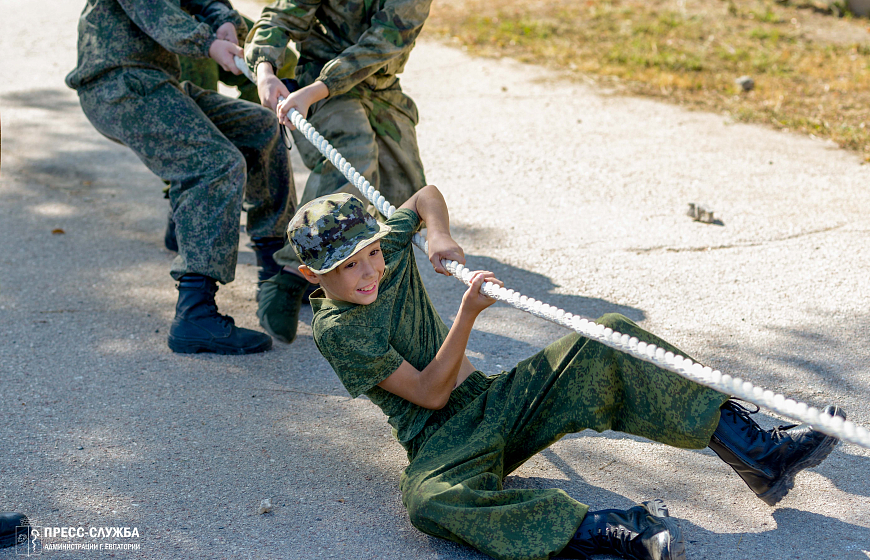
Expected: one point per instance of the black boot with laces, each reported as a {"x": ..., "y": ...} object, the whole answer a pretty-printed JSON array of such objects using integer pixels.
[
  {"x": 198, "y": 327},
  {"x": 643, "y": 532},
  {"x": 768, "y": 460}
]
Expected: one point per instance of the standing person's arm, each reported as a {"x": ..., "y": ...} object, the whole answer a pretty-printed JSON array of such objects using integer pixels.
[
  {"x": 266, "y": 45},
  {"x": 179, "y": 33},
  {"x": 219, "y": 14},
  {"x": 392, "y": 33}
]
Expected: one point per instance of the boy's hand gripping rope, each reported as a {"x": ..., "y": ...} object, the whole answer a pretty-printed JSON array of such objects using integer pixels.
[{"x": 845, "y": 430}]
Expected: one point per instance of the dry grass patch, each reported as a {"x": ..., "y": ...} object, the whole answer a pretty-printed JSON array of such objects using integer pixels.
[{"x": 811, "y": 68}]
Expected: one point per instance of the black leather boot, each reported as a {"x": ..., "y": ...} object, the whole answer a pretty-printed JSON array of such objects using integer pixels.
[
  {"x": 643, "y": 532},
  {"x": 768, "y": 460},
  {"x": 14, "y": 529},
  {"x": 198, "y": 327},
  {"x": 265, "y": 249}
]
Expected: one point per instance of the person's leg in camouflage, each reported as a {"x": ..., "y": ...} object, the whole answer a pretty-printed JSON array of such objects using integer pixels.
[
  {"x": 270, "y": 193},
  {"x": 150, "y": 113},
  {"x": 453, "y": 485},
  {"x": 375, "y": 132},
  {"x": 205, "y": 73}
]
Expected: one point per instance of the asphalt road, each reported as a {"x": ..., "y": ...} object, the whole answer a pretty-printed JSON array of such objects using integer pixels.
[{"x": 568, "y": 193}]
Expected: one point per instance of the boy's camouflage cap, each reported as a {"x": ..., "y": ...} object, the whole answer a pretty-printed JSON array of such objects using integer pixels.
[{"x": 329, "y": 230}]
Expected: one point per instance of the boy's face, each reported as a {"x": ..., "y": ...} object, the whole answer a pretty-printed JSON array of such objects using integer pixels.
[{"x": 356, "y": 280}]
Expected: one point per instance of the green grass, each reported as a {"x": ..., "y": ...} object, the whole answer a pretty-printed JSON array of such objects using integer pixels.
[{"x": 676, "y": 51}]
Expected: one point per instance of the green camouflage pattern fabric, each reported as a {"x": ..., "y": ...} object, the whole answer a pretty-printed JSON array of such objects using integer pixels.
[
  {"x": 375, "y": 132},
  {"x": 453, "y": 486},
  {"x": 364, "y": 344},
  {"x": 206, "y": 73},
  {"x": 341, "y": 42},
  {"x": 329, "y": 230},
  {"x": 218, "y": 154},
  {"x": 146, "y": 34},
  {"x": 460, "y": 455},
  {"x": 356, "y": 48}
]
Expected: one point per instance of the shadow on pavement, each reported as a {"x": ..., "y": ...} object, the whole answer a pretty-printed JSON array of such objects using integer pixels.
[
  {"x": 49, "y": 99},
  {"x": 542, "y": 288},
  {"x": 802, "y": 528}
]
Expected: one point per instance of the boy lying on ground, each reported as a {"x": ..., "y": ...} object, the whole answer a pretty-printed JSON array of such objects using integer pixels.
[{"x": 464, "y": 432}]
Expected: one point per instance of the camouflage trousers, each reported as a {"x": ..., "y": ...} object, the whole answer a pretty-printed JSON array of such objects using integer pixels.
[
  {"x": 453, "y": 486},
  {"x": 216, "y": 152},
  {"x": 373, "y": 130}
]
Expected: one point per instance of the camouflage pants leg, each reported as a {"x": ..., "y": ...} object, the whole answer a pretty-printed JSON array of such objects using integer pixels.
[
  {"x": 270, "y": 193},
  {"x": 375, "y": 132},
  {"x": 453, "y": 486},
  {"x": 208, "y": 147}
]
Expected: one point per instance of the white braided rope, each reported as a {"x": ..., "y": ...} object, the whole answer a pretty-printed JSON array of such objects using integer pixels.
[{"x": 845, "y": 430}]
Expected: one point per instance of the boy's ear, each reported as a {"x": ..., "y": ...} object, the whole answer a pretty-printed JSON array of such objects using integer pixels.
[{"x": 309, "y": 274}]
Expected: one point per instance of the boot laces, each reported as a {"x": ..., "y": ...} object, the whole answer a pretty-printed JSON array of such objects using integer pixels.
[
  {"x": 212, "y": 309},
  {"x": 616, "y": 537},
  {"x": 224, "y": 319},
  {"x": 754, "y": 430}
]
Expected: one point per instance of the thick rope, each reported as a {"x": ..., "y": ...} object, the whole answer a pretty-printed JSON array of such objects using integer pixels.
[{"x": 845, "y": 430}]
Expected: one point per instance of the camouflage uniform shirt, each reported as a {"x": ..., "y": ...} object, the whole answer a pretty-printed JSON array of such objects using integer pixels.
[
  {"x": 365, "y": 344},
  {"x": 346, "y": 41},
  {"x": 146, "y": 34}
]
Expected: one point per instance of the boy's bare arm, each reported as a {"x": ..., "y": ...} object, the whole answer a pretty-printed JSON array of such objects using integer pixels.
[
  {"x": 431, "y": 387},
  {"x": 300, "y": 100},
  {"x": 430, "y": 206}
]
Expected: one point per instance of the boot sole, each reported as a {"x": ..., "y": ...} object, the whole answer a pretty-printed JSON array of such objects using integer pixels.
[
  {"x": 786, "y": 481},
  {"x": 656, "y": 507},
  {"x": 675, "y": 548},
  {"x": 182, "y": 346}
]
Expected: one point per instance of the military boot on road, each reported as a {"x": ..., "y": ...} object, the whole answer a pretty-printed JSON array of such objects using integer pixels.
[
  {"x": 643, "y": 532},
  {"x": 198, "y": 327},
  {"x": 768, "y": 460}
]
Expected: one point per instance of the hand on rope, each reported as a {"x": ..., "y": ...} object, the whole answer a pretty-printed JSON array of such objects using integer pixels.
[
  {"x": 845, "y": 430},
  {"x": 441, "y": 250},
  {"x": 300, "y": 101},
  {"x": 270, "y": 89},
  {"x": 227, "y": 32},
  {"x": 226, "y": 54},
  {"x": 475, "y": 299}
]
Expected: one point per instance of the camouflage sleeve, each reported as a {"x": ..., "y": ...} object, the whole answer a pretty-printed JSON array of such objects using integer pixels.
[
  {"x": 361, "y": 356},
  {"x": 166, "y": 23},
  {"x": 394, "y": 28},
  {"x": 404, "y": 223},
  {"x": 280, "y": 22},
  {"x": 216, "y": 13}
]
